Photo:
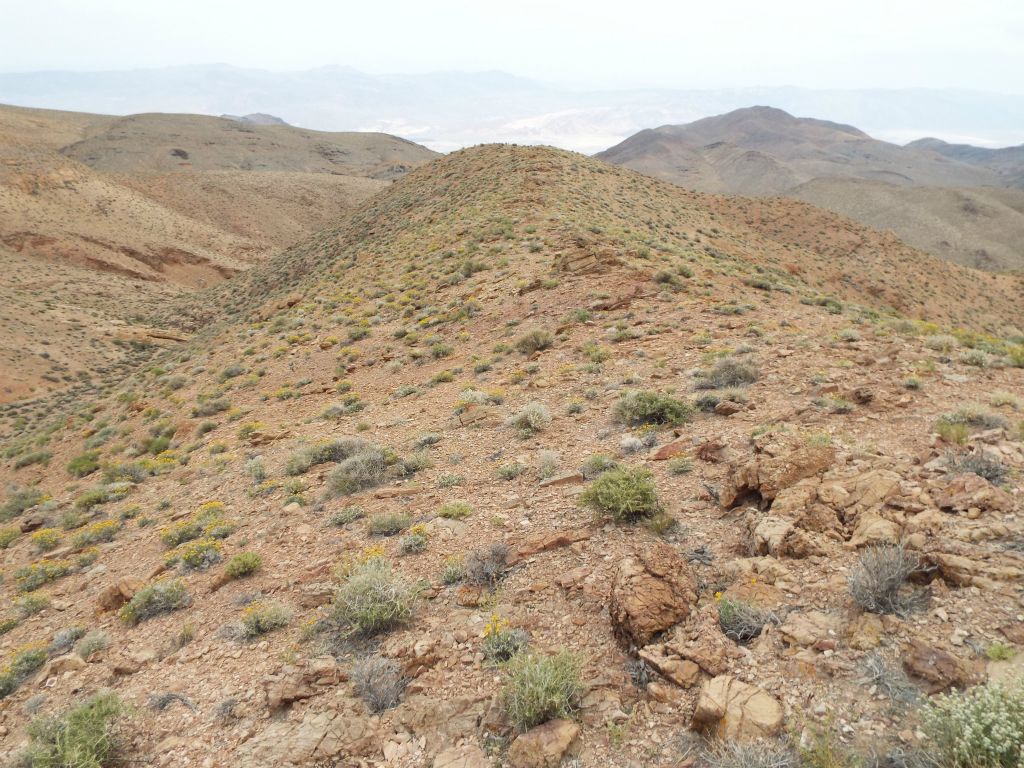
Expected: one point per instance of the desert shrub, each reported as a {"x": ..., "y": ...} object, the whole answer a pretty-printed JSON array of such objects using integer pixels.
[
  {"x": 941, "y": 342},
  {"x": 889, "y": 679},
  {"x": 261, "y": 617},
  {"x": 541, "y": 688},
  {"x": 979, "y": 728},
  {"x": 547, "y": 463},
  {"x": 159, "y": 597},
  {"x": 680, "y": 465},
  {"x": 372, "y": 599},
  {"x": 502, "y": 642},
  {"x": 195, "y": 555},
  {"x": 242, "y": 564},
  {"x": 389, "y": 523},
  {"x": 532, "y": 417},
  {"x": 94, "y": 497},
  {"x": 976, "y": 358},
  {"x": 8, "y": 535},
  {"x": 378, "y": 682},
  {"x": 33, "y": 576},
  {"x": 727, "y": 372},
  {"x": 624, "y": 494},
  {"x": 534, "y": 341},
  {"x": 82, "y": 738},
  {"x": 749, "y": 754},
  {"x": 485, "y": 567},
  {"x": 45, "y": 539},
  {"x": 975, "y": 416},
  {"x": 363, "y": 469},
  {"x": 346, "y": 515},
  {"x": 979, "y": 464},
  {"x": 454, "y": 510},
  {"x": 646, "y": 407},
  {"x": 955, "y": 434},
  {"x": 597, "y": 464},
  {"x": 23, "y": 662},
  {"x": 92, "y": 642},
  {"x": 19, "y": 500},
  {"x": 84, "y": 464},
  {"x": 35, "y": 457},
  {"x": 64, "y": 640},
  {"x": 877, "y": 582},
  {"x": 511, "y": 471},
  {"x": 30, "y": 605},
  {"x": 454, "y": 570},
  {"x": 414, "y": 541},
  {"x": 210, "y": 407},
  {"x": 102, "y": 530},
  {"x": 309, "y": 456},
  {"x": 742, "y": 621}
]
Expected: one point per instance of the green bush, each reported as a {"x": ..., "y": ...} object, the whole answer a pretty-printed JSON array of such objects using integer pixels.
[
  {"x": 346, "y": 515},
  {"x": 979, "y": 728},
  {"x": 454, "y": 510},
  {"x": 33, "y": 576},
  {"x": 84, "y": 464},
  {"x": 36, "y": 457},
  {"x": 389, "y": 523},
  {"x": 82, "y": 738},
  {"x": 625, "y": 494},
  {"x": 20, "y": 500},
  {"x": 534, "y": 341},
  {"x": 23, "y": 663},
  {"x": 160, "y": 597},
  {"x": 243, "y": 564},
  {"x": 372, "y": 599},
  {"x": 645, "y": 407},
  {"x": 541, "y": 688},
  {"x": 310, "y": 455},
  {"x": 261, "y": 617}
]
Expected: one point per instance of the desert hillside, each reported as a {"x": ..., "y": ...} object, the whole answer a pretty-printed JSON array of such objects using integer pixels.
[
  {"x": 961, "y": 206},
  {"x": 530, "y": 459},
  {"x": 83, "y": 194}
]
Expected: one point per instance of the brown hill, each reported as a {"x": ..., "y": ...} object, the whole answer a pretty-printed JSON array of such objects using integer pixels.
[
  {"x": 1007, "y": 162},
  {"x": 381, "y": 430},
  {"x": 945, "y": 202},
  {"x": 90, "y": 192}
]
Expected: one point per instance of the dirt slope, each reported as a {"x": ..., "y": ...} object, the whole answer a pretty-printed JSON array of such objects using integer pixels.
[
  {"x": 539, "y": 286},
  {"x": 96, "y": 193}
]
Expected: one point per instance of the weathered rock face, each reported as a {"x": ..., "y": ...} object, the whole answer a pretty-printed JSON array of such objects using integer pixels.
[
  {"x": 968, "y": 567},
  {"x": 467, "y": 756},
  {"x": 318, "y": 736},
  {"x": 115, "y": 595},
  {"x": 779, "y": 462},
  {"x": 651, "y": 592},
  {"x": 939, "y": 669},
  {"x": 735, "y": 710},
  {"x": 809, "y": 628},
  {"x": 300, "y": 681},
  {"x": 969, "y": 491},
  {"x": 701, "y": 641},
  {"x": 544, "y": 746}
]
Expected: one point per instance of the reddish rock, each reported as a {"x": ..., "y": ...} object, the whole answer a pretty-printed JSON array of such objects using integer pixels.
[
  {"x": 651, "y": 592},
  {"x": 544, "y": 746},
  {"x": 938, "y": 668},
  {"x": 115, "y": 595}
]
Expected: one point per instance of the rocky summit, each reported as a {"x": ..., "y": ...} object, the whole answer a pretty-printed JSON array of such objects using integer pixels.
[{"x": 530, "y": 460}]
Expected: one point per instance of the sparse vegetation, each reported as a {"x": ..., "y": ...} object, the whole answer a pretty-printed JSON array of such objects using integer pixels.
[
  {"x": 83, "y": 737},
  {"x": 645, "y": 407},
  {"x": 159, "y": 597},
  {"x": 979, "y": 728},
  {"x": 878, "y": 581},
  {"x": 541, "y": 688},
  {"x": 378, "y": 682},
  {"x": 372, "y": 599},
  {"x": 625, "y": 494}
]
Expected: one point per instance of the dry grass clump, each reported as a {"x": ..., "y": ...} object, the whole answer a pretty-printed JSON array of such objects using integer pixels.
[
  {"x": 534, "y": 341},
  {"x": 363, "y": 469},
  {"x": 243, "y": 564},
  {"x": 877, "y": 582},
  {"x": 81, "y": 738},
  {"x": 309, "y": 456},
  {"x": 541, "y": 688},
  {"x": 261, "y": 617},
  {"x": 160, "y": 597},
  {"x": 749, "y": 754},
  {"x": 531, "y": 418},
  {"x": 378, "y": 681},
  {"x": 742, "y": 621},
  {"x": 727, "y": 372},
  {"x": 486, "y": 567},
  {"x": 372, "y": 599}
]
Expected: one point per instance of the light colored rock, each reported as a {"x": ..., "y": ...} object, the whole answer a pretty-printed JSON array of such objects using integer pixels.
[
  {"x": 466, "y": 756},
  {"x": 809, "y": 628},
  {"x": 735, "y": 710},
  {"x": 543, "y": 746}
]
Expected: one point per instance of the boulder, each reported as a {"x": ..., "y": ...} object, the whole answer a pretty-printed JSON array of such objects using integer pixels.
[
  {"x": 317, "y": 736},
  {"x": 701, "y": 641},
  {"x": 737, "y": 711},
  {"x": 114, "y": 596},
  {"x": 809, "y": 628},
  {"x": 543, "y": 746},
  {"x": 780, "y": 461},
  {"x": 294, "y": 682},
  {"x": 682, "y": 672},
  {"x": 650, "y": 593},
  {"x": 939, "y": 669},
  {"x": 969, "y": 491}
]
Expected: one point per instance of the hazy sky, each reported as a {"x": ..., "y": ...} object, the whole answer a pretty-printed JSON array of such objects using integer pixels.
[{"x": 629, "y": 43}]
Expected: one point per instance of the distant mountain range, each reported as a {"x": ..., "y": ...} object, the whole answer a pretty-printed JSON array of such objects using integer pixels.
[
  {"x": 449, "y": 110},
  {"x": 959, "y": 202}
]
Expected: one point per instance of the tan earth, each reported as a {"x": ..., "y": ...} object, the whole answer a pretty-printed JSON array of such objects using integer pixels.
[{"x": 410, "y": 324}]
